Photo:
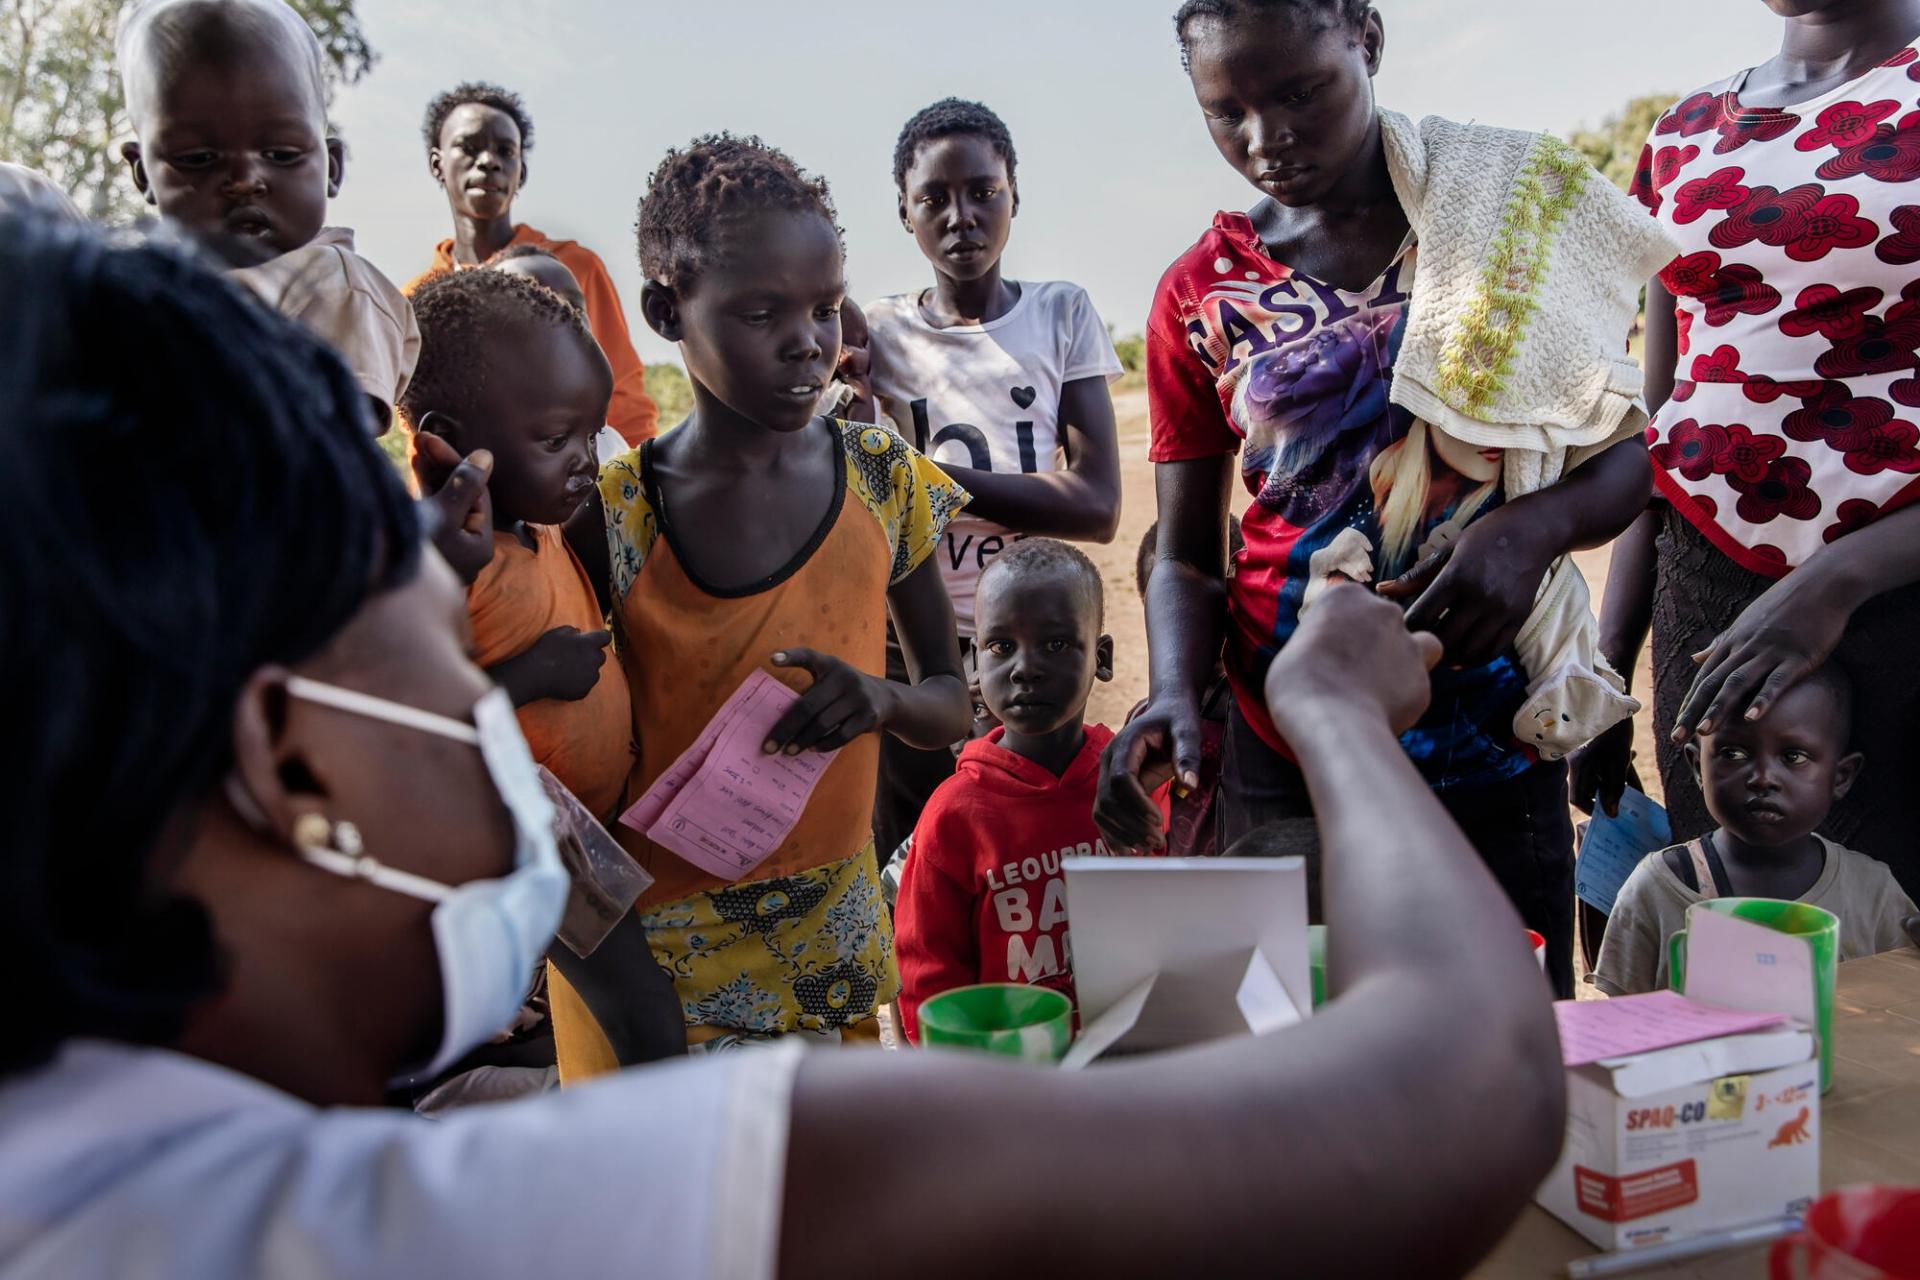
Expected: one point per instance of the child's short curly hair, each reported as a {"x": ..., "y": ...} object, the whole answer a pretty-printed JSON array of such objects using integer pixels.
[
  {"x": 716, "y": 180},
  {"x": 943, "y": 119},
  {"x": 483, "y": 94},
  {"x": 459, "y": 313},
  {"x": 1050, "y": 555}
]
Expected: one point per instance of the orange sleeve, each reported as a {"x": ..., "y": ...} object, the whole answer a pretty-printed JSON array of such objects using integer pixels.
[{"x": 632, "y": 412}]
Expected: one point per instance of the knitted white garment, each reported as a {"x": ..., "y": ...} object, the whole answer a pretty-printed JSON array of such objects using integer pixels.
[{"x": 1530, "y": 271}]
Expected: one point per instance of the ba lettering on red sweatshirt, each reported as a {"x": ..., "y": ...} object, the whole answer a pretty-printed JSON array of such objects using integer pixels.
[{"x": 982, "y": 898}]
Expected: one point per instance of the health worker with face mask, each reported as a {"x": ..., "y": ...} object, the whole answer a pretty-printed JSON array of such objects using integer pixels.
[{"x": 273, "y": 843}]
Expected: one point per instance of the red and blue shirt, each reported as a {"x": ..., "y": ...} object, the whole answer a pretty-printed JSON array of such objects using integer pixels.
[{"x": 1247, "y": 356}]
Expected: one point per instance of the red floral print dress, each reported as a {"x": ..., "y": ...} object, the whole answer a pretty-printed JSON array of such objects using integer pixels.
[{"x": 1797, "y": 389}]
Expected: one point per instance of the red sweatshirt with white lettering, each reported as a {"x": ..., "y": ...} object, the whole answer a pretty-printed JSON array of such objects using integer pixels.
[{"x": 982, "y": 898}]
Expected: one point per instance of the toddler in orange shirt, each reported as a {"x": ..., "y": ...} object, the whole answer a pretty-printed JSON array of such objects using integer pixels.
[{"x": 510, "y": 370}]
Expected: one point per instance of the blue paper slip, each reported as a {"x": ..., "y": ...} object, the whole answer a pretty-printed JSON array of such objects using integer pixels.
[{"x": 1614, "y": 846}]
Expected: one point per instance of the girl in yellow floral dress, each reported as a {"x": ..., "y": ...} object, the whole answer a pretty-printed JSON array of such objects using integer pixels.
[{"x": 759, "y": 535}]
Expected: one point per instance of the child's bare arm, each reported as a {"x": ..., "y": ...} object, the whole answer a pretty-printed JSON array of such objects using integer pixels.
[
  {"x": 1603, "y": 767},
  {"x": 629, "y": 995},
  {"x": 1080, "y": 502},
  {"x": 1411, "y": 1118},
  {"x": 844, "y": 703}
]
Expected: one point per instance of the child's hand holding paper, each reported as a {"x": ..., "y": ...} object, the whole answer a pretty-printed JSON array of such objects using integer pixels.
[
  {"x": 842, "y": 704},
  {"x": 726, "y": 805}
]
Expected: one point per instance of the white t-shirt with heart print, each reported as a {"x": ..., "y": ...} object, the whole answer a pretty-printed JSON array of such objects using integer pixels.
[{"x": 986, "y": 396}]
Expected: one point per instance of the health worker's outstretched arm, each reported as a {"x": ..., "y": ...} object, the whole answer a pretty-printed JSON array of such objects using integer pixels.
[{"x": 1410, "y": 1119}]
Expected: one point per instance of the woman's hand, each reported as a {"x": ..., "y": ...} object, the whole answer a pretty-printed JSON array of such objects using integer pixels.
[
  {"x": 1602, "y": 769},
  {"x": 1475, "y": 593},
  {"x": 842, "y": 704},
  {"x": 1776, "y": 642},
  {"x": 1159, "y": 743},
  {"x": 456, "y": 503}
]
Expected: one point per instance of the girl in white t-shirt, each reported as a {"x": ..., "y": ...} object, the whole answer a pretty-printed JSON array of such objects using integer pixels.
[{"x": 1004, "y": 382}]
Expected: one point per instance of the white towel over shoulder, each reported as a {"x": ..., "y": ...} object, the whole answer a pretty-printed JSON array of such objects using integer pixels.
[{"x": 1530, "y": 270}]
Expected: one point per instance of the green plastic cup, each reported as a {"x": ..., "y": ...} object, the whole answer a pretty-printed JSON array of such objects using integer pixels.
[
  {"x": 1034, "y": 1024},
  {"x": 1317, "y": 962},
  {"x": 1820, "y": 929}
]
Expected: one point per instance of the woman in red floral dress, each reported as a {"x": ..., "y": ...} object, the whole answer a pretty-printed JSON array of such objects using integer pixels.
[{"x": 1783, "y": 363}]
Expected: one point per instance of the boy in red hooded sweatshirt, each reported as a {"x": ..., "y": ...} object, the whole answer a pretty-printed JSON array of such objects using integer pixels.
[{"x": 982, "y": 898}]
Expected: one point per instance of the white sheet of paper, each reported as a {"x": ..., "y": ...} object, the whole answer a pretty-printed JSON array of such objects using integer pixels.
[
  {"x": 1645, "y": 1074},
  {"x": 1111, "y": 1027},
  {"x": 1194, "y": 926},
  {"x": 1263, "y": 998},
  {"x": 1743, "y": 965}
]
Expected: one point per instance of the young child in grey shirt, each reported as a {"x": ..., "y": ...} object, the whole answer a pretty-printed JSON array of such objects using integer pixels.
[{"x": 1768, "y": 784}]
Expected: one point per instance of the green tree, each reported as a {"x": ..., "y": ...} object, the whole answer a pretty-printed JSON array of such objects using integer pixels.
[
  {"x": 60, "y": 105},
  {"x": 1614, "y": 146},
  {"x": 667, "y": 384}
]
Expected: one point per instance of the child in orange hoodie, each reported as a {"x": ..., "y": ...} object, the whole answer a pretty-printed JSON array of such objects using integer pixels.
[{"x": 982, "y": 898}]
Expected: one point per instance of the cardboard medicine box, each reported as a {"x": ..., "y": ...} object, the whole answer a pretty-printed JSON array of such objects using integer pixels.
[{"x": 1685, "y": 1140}]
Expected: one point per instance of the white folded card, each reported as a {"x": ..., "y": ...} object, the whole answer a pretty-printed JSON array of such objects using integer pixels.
[{"x": 1178, "y": 951}]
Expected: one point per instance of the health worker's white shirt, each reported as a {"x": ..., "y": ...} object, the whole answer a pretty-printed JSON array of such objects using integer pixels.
[
  {"x": 985, "y": 396},
  {"x": 119, "y": 1161}
]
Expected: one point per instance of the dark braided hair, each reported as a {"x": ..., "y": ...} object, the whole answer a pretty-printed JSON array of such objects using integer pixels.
[
  {"x": 1330, "y": 12},
  {"x": 483, "y": 94},
  {"x": 943, "y": 119},
  {"x": 1046, "y": 555},
  {"x": 699, "y": 192},
  {"x": 461, "y": 315},
  {"x": 248, "y": 516}
]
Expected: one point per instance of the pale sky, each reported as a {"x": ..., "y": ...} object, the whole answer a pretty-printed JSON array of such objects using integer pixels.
[{"x": 1116, "y": 172}]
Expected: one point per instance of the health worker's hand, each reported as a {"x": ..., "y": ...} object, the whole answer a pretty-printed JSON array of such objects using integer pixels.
[{"x": 1353, "y": 650}]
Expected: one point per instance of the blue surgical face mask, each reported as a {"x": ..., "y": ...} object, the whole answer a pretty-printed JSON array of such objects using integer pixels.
[{"x": 489, "y": 934}]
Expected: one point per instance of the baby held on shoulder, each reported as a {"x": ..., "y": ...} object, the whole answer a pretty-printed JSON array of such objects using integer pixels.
[{"x": 228, "y": 102}]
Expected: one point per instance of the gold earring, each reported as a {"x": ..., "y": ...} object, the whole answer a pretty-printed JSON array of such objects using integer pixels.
[{"x": 312, "y": 831}]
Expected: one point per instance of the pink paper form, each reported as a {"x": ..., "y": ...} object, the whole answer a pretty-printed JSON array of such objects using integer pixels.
[
  {"x": 724, "y": 805},
  {"x": 1591, "y": 1030}
]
